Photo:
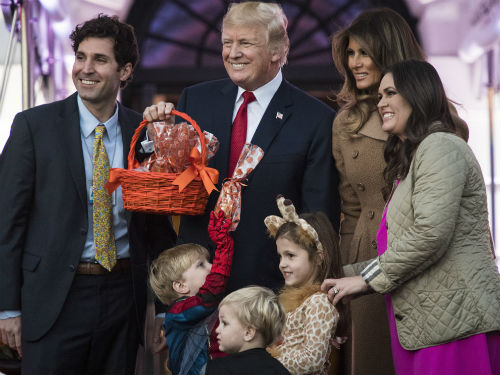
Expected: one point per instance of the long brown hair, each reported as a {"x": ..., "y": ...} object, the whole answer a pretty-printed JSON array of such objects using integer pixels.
[
  {"x": 419, "y": 84},
  {"x": 387, "y": 38}
]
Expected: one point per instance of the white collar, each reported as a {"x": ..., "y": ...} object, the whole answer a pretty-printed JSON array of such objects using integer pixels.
[{"x": 265, "y": 93}]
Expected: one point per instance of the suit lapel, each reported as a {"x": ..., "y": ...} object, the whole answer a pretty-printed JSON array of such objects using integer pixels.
[
  {"x": 277, "y": 113},
  {"x": 71, "y": 143},
  {"x": 127, "y": 127},
  {"x": 222, "y": 119}
]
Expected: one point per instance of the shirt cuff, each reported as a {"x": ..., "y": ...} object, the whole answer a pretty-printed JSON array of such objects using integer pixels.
[{"x": 6, "y": 314}]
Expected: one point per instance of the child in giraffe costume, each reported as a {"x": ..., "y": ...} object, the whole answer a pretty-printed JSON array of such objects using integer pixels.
[{"x": 308, "y": 254}]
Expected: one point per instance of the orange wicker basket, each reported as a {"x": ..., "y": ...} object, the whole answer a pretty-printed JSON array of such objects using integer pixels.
[{"x": 160, "y": 193}]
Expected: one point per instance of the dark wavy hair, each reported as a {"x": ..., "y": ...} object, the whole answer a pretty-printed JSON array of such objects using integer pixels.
[
  {"x": 103, "y": 26},
  {"x": 419, "y": 84},
  {"x": 387, "y": 38}
]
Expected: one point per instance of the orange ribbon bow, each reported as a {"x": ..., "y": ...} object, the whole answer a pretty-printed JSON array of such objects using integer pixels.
[{"x": 209, "y": 176}]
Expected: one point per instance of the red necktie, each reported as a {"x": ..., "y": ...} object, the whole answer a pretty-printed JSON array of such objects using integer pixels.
[{"x": 239, "y": 132}]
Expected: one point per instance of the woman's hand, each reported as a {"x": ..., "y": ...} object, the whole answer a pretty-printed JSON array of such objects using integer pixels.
[{"x": 344, "y": 289}]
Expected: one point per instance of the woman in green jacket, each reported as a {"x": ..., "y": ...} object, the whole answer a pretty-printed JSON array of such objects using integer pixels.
[{"x": 435, "y": 263}]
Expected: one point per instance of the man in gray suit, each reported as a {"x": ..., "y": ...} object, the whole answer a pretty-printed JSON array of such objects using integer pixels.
[{"x": 61, "y": 305}]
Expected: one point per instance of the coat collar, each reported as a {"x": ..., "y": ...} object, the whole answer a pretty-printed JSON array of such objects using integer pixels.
[{"x": 373, "y": 128}]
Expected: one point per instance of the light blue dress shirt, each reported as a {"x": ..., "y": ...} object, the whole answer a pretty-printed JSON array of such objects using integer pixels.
[{"x": 114, "y": 148}]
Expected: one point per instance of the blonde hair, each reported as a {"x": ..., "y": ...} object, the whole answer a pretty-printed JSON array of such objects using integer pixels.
[
  {"x": 269, "y": 15},
  {"x": 258, "y": 307},
  {"x": 169, "y": 267}
]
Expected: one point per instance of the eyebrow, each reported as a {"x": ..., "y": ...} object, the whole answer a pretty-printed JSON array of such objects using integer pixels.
[
  {"x": 389, "y": 88},
  {"x": 96, "y": 55}
]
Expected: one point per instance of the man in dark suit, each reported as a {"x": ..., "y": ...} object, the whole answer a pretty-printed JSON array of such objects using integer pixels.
[
  {"x": 67, "y": 302},
  {"x": 292, "y": 128}
]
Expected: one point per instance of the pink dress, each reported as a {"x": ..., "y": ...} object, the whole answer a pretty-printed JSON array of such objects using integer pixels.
[{"x": 478, "y": 354}]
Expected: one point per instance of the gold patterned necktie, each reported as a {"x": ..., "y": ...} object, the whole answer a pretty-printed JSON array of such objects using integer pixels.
[{"x": 104, "y": 238}]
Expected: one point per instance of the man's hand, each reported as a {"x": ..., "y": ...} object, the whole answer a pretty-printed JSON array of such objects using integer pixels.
[
  {"x": 10, "y": 333},
  {"x": 159, "y": 112},
  {"x": 158, "y": 342}
]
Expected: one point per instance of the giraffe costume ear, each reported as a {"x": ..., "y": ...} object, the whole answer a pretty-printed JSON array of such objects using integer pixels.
[
  {"x": 273, "y": 222},
  {"x": 287, "y": 209}
]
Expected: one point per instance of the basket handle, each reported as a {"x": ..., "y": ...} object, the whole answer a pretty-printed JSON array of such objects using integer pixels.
[{"x": 132, "y": 163}]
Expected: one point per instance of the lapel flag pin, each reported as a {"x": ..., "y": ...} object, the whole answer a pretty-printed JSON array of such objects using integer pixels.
[{"x": 279, "y": 115}]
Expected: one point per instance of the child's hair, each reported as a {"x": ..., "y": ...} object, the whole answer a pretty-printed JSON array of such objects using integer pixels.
[
  {"x": 169, "y": 267},
  {"x": 258, "y": 307},
  {"x": 329, "y": 264}
]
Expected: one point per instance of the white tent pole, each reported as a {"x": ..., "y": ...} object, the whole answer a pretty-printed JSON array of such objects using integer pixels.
[
  {"x": 26, "y": 55},
  {"x": 8, "y": 58}
]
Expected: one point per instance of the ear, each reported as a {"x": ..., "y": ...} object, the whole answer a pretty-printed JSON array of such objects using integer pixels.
[
  {"x": 180, "y": 287},
  {"x": 125, "y": 72},
  {"x": 275, "y": 56},
  {"x": 250, "y": 332}
]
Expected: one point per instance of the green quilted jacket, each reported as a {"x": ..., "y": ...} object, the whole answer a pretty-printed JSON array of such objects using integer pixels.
[{"x": 438, "y": 265}]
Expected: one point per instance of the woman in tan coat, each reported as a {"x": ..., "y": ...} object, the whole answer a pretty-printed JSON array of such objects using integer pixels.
[{"x": 373, "y": 41}]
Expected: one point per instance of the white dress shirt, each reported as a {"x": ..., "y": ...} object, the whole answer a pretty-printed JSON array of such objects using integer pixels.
[{"x": 256, "y": 109}]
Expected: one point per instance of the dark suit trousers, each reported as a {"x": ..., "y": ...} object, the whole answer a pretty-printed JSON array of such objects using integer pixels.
[{"x": 96, "y": 332}]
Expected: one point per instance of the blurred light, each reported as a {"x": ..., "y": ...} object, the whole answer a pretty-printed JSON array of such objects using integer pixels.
[
  {"x": 50, "y": 5},
  {"x": 62, "y": 28},
  {"x": 54, "y": 8},
  {"x": 483, "y": 34},
  {"x": 111, "y": 4}
]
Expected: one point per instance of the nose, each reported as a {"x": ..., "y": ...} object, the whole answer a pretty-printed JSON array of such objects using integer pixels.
[
  {"x": 235, "y": 51},
  {"x": 88, "y": 66},
  {"x": 381, "y": 103},
  {"x": 282, "y": 263},
  {"x": 357, "y": 60}
]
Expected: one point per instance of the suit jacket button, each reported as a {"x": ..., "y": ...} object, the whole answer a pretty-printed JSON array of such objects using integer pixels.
[
  {"x": 398, "y": 317},
  {"x": 361, "y": 187},
  {"x": 371, "y": 214},
  {"x": 72, "y": 268},
  {"x": 374, "y": 244},
  {"x": 355, "y": 154}
]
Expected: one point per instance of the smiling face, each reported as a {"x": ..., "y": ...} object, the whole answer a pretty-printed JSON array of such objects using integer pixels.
[
  {"x": 295, "y": 265},
  {"x": 96, "y": 75},
  {"x": 231, "y": 334},
  {"x": 365, "y": 71},
  {"x": 247, "y": 57},
  {"x": 393, "y": 108},
  {"x": 194, "y": 277}
]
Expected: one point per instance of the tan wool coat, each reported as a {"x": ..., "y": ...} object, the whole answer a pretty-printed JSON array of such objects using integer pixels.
[{"x": 360, "y": 163}]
